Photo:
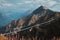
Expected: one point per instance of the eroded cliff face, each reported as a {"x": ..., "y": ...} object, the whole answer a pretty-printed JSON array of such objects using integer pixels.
[{"x": 47, "y": 31}]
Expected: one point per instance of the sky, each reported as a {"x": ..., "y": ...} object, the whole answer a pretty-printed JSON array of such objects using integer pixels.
[{"x": 12, "y": 9}]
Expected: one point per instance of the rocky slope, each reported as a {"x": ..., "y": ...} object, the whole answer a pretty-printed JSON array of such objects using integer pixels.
[{"x": 38, "y": 16}]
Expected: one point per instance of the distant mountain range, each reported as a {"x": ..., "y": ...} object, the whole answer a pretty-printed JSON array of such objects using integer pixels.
[
  {"x": 6, "y": 18},
  {"x": 38, "y": 16}
]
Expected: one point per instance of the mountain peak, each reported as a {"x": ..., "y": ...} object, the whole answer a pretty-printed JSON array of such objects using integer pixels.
[
  {"x": 40, "y": 9},
  {"x": 43, "y": 7}
]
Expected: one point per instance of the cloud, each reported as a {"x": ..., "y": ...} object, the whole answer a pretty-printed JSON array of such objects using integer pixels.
[
  {"x": 51, "y": 3},
  {"x": 28, "y": 2},
  {"x": 7, "y": 5},
  {"x": 48, "y": 3},
  {"x": 19, "y": 3},
  {"x": 0, "y": 6},
  {"x": 3, "y": 1}
]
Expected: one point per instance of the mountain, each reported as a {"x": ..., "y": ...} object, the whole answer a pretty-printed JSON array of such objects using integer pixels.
[
  {"x": 3, "y": 18},
  {"x": 6, "y": 18},
  {"x": 49, "y": 19}
]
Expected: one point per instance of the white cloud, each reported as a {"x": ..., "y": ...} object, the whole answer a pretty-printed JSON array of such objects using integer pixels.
[
  {"x": 4, "y": 3},
  {"x": 28, "y": 2},
  {"x": 7, "y": 5},
  {"x": 51, "y": 3},
  {"x": 19, "y": 3}
]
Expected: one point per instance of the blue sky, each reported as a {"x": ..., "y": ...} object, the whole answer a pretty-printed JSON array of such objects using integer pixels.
[{"x": 10, "y": 8}]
